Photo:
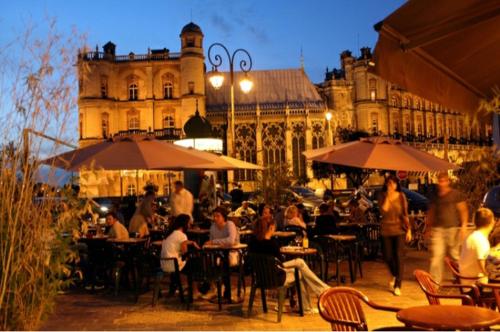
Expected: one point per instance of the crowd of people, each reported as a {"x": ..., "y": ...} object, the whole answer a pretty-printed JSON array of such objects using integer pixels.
[{"x": 447, "y": 221}]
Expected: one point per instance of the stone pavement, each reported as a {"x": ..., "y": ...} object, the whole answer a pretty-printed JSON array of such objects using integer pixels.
[{"x": 84, "y": 311}]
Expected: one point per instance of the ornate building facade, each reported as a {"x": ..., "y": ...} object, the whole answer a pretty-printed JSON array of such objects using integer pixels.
[{"x": 285, "y": 113}]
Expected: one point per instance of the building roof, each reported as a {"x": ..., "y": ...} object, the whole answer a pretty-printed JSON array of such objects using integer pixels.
[
  {"x": 191, "y": 27},
  {"x": 271, "y": 89}
]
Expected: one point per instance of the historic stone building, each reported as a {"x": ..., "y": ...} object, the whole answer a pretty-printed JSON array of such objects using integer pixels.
[{"x": 283, "y": 115}]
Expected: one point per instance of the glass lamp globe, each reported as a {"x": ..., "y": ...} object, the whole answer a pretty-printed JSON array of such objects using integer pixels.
[
  {"x": 246, "y": 85},
  {"x": 216, "y": 79}
]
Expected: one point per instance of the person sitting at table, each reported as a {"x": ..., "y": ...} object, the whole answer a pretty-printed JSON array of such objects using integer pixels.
[
  {"x": 175, "y": 246},
  {"x": 292, "y": 218},
  {"x": 116, "y": 229},
  {"x": 142, "y": 216},
  {"x": 303, "y": 213},
  {"x": 326, "y": 222},
  {"x": 244, "y": 210},
  {"x": 357, "y": 215},
  {"x": 223, "y": 231},
  {"x": 265, "y": 243},
  {"x": 476, "y": 248}
]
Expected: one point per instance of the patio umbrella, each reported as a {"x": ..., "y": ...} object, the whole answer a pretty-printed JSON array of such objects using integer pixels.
[
  {"x": 379, "y": 153},
  {"x": 445, "y": 51},
  {"x": 226, "y": 163},
  {"x": 130, "y": 153}
]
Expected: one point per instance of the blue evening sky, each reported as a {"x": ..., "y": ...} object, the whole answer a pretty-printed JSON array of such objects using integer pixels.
[{"x": 273, "y": 31}]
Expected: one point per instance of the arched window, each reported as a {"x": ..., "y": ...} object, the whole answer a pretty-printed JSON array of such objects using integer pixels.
[
  {"x": 168, "y": 121},
  {"x": 395, "y": 123},
  {"x": 420, "y": 129},
  {"x": 133, "y": 91},
  {"x": 105, "y": 125},
  {"x": 373, "y": 89},
  {"x": 407, "y": 124},
  {"x": 168, "y": 90},
  {"x": 133, "y": 120}
]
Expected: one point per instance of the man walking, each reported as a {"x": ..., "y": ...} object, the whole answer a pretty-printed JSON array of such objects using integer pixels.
[{"x": 447, "y": 225}]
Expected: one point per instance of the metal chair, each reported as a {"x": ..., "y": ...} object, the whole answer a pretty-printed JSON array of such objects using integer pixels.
[
  {"x": 341, "y": 307},
  {"x": 431, "y": 289},
  {"x": 268, "y": 273},
  {"x": 175, "y": 277}
]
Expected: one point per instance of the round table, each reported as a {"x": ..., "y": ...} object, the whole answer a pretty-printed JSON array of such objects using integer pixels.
[
  {"x": 128, "y": 241},
  {"x": 449, "y": 317},
  {"x": 227, "y": 268},
  {"x": 284, "y": 234},
  {"x": 93, "y": 238},
  {"x": 297, "y": 251}
]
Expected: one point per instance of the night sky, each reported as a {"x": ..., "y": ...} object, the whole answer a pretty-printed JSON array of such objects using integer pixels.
[{"x": 273, "y": 31}]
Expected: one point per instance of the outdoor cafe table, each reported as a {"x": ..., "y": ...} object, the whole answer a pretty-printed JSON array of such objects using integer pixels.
[
  {"x": 199, "y": 235},
  {"x": 338, "y": 240},
  {"x": 225, "y": 250},
  {"x": 449, "y": 317},
  {"x": 282, "y": 237},
  {"x": 296, "y": 251},
  {"x": 131, "y": 252},
  {"x": 96, "y": 255}
]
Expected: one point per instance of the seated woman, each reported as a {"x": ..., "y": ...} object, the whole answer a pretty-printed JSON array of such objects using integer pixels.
[
  {"x": 176, "y": 244},
  {"x": 264, "y": 243},
  {"x": 292, "y": 217},
  {"x": 326, "y": 222}
]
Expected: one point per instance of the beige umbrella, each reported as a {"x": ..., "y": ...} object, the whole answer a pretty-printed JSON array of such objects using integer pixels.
[
  {"x": 226, "y": 163},
  {"x": 130, "y": 153},
  {"x": 379, "y": 153}
]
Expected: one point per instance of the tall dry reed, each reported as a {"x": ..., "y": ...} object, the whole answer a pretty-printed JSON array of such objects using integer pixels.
[{"x": 38, "y": 92}]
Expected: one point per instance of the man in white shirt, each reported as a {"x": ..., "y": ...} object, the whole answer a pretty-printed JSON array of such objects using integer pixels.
[
  {"x": 181, "y": 200},
  {"x": 476, "y": 248}
]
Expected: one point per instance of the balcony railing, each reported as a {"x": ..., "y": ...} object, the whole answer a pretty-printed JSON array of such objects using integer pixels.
[
  {"x": 454, "y": 143},
  {"x": 169, "y": 134},
  {"x": 97, "y": 56}
]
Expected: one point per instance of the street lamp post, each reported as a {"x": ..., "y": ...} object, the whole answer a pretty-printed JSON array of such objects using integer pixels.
[{"x": 217, "y": 79}]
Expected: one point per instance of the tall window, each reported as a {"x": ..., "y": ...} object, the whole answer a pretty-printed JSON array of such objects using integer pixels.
[
  {"x": 407, "y": 124},
  {"x": 373, "y": 89},
  {"x": 168, "y": 90},
  {"x": 104, "y": 87},
  {"x": 430, "y": 126},
  {"x": 298, "y": 146},
  {"x": 440, "y": 127},
  {"x": 168, "y": 121},
  {"x": 133, "y": 91},
  {"x": 274, "y": 143},
  {"x": 420, "y": 129},
  {"x": 133, "y": 120},
  {"x": 374, "y": 122},
  {"x": 81, "y": 126},
  {"x": 395, "y": 123},
  {"x": 105, "y": 125},
  {"x": 246, "y": 149},
  {"x": 131, "y": 190},
  {"x": 191, "y": 87},
  {"x": 318, "y": 135}
]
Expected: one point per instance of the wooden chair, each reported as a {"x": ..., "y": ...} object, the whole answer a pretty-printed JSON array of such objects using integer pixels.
[
  {"x": 341, "y": 307},
  {"x": 268, "y": 273},
  {"x": 431, "y": 289}
]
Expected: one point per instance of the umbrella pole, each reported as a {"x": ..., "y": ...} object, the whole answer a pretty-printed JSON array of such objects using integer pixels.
[
  {"x": 121, "y": 185},
  {"x": 137, "y": 182}
]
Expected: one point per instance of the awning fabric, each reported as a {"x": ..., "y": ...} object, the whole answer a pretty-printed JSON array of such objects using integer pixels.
[{"x": 447, "y": 51}]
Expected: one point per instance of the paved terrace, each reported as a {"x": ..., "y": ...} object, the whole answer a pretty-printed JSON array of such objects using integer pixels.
[{"x": 85, "y": 311}]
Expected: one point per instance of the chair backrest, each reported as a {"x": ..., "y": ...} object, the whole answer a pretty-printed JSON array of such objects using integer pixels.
[
  {"x": 267, "y": 271},
  {"x": 453, "y": 267},
  {"x": 428, "y": 285},
  {"x": 341, "y": 307}
]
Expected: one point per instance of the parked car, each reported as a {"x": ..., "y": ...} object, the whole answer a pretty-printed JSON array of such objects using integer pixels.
[
  {"x": 287, "y": 195},
  {"x": 492, "y": 200}
]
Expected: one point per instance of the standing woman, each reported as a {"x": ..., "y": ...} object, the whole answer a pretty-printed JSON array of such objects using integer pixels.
[{"x": 394, "y": 210}]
